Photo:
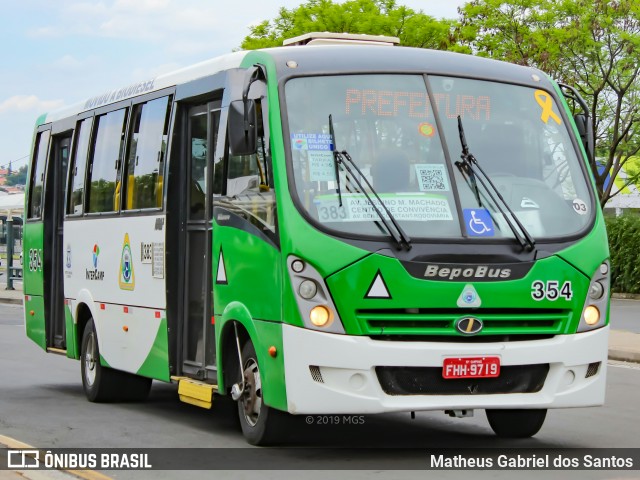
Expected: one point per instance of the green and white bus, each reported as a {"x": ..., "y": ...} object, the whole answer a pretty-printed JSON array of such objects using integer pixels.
[{"x": 335, "y": 226}]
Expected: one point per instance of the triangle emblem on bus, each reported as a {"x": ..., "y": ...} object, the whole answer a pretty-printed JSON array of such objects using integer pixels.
[
  {"x": 221, "y": 276},
  {"x": 378, "y": 289}
]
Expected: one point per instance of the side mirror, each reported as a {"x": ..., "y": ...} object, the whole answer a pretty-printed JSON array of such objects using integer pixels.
[
  {"x": 242, "y": 127},
  {"x": 585, "y": 129}
]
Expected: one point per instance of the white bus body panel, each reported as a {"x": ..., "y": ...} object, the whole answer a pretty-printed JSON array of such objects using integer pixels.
[
  {"x": 350, "y": 385},
  {"x": 126, "y": 309}
]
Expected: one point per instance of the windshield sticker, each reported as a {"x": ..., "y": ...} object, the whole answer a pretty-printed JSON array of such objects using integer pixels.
[
  {"x": 432, "y": 177},
  {"x": 321, "y": 166},
  {"x": 319, "y": 150},
  {"x": 545, "y": 101},
  {"x": 580, "y": 206},
  {"x": 426, "y": 130},
  {"x": 478, "y": 222},
  {"x": 356, "y": 208},
  {"x": 311, "y": 141}
]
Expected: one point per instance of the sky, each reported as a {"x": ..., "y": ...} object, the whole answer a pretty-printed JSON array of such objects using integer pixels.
[{"x": 57, "y": 53}]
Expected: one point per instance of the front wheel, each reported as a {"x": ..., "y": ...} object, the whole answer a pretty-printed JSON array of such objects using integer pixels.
[
  {"x": 261, "y": 424},
  {"x": 522, "y": 423}
]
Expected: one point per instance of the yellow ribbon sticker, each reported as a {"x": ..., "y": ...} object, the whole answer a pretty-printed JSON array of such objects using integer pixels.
[
  {"x": 544, "y": 100},
  {"x": 426, "y": 130}
]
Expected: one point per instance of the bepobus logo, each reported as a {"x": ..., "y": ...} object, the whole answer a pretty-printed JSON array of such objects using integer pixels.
[
  {"x": 23, "y": 459},
  {"x": 474, "y": 273}
]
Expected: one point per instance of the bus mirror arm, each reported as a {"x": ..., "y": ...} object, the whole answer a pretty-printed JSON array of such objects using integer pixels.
[{"x": 584, "y": 121}]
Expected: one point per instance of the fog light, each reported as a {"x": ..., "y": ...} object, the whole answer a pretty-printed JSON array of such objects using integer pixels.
[
  {"x": 320, "y": 316},
  {"x": 308, "y": 289},
  {"x": 596, "y": 290},
  {"x": 591, "y": 315}
]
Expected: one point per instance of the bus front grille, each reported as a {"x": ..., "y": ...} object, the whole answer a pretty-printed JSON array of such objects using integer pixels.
[
  {"x": 498, "y": 324},
  {"x": 429, "y": 381}
]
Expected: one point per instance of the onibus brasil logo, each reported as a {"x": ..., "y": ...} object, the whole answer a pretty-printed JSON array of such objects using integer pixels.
[{"x": 127, "y": 278}]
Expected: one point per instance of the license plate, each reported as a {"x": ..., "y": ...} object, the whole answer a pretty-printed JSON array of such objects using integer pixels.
[{"x": 471, "y": 367}]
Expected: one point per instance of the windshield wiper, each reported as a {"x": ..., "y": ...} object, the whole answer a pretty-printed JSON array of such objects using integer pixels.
[
  {"x": 343, "y": 158},
  {"x": 474, "y": 171}
]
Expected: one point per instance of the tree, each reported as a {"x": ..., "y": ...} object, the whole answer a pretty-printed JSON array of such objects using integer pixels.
[
  {"x": 18, "y": 177},
  {"x": 374, "y": 17},
  {"x": 593, "y": 45}
]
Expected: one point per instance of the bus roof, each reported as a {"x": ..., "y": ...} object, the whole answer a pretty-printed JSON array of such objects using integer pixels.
[{"x": 324, "y": 59}]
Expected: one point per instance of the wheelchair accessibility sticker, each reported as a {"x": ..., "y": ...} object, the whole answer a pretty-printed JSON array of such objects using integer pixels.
[{"x": 478, "y": 222}]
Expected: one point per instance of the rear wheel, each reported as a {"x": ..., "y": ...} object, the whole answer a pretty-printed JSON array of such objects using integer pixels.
[
  {"x": 522, "y": 423},
  {"x": 103, "y": 384},
  {"x": 261, "y": 424},
  {"x": 100, "y": 383}
]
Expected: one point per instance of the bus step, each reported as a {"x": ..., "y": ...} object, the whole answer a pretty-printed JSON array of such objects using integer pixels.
[
  {"x": 195, "y": 392},
  {"x": 57, "y": 351}
]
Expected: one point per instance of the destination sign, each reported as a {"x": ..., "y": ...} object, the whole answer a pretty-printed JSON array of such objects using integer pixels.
[{"x": 389, "y": 103}]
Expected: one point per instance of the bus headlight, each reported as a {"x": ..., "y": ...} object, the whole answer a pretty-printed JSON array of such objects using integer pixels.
[
  {"x": 320, "y": 316},
  {"x": 591, "y": 315},
  {"x": 315, "y": 304},
  {"x": 594, "y": 312}
]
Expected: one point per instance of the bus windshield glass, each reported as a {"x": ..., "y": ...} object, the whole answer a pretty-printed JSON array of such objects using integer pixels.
[{"x": 387, "y": 125}]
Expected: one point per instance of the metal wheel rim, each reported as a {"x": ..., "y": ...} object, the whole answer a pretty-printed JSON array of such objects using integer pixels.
[
  {"x": 252, "y": 397},
  {"x": 90, "y": 362}
]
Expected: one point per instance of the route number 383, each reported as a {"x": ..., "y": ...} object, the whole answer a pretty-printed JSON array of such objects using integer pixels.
[{"x": 550, "y": 290}]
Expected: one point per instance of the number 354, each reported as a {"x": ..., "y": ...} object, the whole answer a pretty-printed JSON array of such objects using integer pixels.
[{"x": 550, "y": 290}]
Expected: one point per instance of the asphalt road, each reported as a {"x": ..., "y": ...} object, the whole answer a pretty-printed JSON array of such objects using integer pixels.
[
  {"x": 42, "y": 404},
  {"x": 625, "y": 315}
]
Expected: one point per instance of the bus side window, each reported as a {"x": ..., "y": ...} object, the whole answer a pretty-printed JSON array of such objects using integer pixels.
[
  {"x": 104, "y": 171},
  {"x": 147, "y": 149},
  {"x": 78, "y": 165},
  {"x": 36, "y": 193}
]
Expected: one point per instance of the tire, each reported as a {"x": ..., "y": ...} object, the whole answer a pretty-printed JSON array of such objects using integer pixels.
[
  {"x": 261, "y": 424},
  {"x": 103, "y": 384},
  {"x": 133, "y": 388},
  {"x": 522, "y": 423},
  {"x": 100, "y": 383}
]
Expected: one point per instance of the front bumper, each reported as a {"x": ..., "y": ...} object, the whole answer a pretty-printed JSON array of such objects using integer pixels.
[{"x": 329, "y": 373}]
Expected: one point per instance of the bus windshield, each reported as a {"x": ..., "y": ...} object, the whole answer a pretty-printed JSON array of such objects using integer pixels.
[{"x": 387, "y": 124}]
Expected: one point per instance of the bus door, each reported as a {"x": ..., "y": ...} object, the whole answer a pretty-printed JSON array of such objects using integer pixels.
[
  {"x": 199, "y": 357},
  {"x": 54, "y": 252}
]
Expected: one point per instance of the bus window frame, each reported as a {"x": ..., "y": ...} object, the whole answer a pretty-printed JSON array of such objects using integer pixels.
[
  {"x": 36, "y": 146},
  {"x": 166, "y": 92},
  {"x": 129, "y": 104},
  {"x": 72, "y": 165}
]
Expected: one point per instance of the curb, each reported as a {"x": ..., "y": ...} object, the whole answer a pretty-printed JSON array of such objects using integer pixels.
[
  {"x": 626, "y": 296},
  {"x": 11, "y": 301},
  {"x": 624, "y": 355}
]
